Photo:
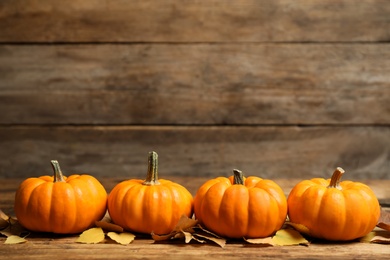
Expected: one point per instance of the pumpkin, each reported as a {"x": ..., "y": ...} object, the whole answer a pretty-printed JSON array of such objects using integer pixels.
[
  {"x": 334, "y": 210},
  {"x": 60, "y": 204},
  {"x": 238, "y": 207},
  {"x": 149, "y": 206}
]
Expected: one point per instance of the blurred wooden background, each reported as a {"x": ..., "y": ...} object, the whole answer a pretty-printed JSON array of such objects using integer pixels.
[{"x": 278, "y": 89}]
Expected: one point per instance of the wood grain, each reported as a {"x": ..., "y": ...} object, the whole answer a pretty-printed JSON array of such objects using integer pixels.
[
  {"x": 269, "y": 152},
  {"x": 197, "y": 84},
  {"x": 195, "y": 21}
]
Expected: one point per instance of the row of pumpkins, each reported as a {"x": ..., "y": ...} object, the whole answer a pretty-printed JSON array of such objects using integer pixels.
[{"x": 233, "y": 207}]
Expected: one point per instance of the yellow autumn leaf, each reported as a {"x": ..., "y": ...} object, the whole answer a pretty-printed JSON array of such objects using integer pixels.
[
  {"x": 266, "y": 241},
  {"x": 367, "y": 238},
  {"x": 122, "y": 238},
  {"x": 288, "y": 237},
  {"x": 91, "y": 236},
  {"x": 15, "y": 240}
]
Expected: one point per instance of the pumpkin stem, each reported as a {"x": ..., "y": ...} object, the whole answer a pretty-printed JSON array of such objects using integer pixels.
[
  {"x": 58, "y": 177},
  {"x": 152, "y": 176},
  {"x": 335, "y": 180},
  {"x": 238, "y": 177}
]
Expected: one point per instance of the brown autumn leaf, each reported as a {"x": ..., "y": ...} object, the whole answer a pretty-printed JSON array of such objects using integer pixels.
[
  {"x": 376, "y": 236},
  {"x": 185, "y": 224},
  {"x": 91, "y": 236},
  {"x": 300, "y": 228},
  {"x": 4, "y": 220},
  {"x": 202, "y": 233},
  {"x": 381, "y": 239},
  {"x": 11, "y": 226},
  {"x": 384, "y": 220},
  {"x": 107, "y": 225}
]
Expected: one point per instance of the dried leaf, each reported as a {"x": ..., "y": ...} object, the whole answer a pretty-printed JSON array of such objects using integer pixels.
[
  {"x": 185, "y": 224},
  {"x": 15, "y": 240},
  {"x": 14, "y": 229},
  {"x": 288, "y": 237},
  {"x": 109, "y": 227},
  {"x": 384, "y": 220},
  {"x": 201, "y": 232},
  {"x": 300, "y": 228},
  {"x": 4, "y": 220},
  {"x": 121, "y": 238},
  {"x": 187, "y": 236},
  {"x": 367, "y": 238},
  {"x": 207, "y": 231},
  {"x": 378, "y": 237},
  {"x": 91, "y": 236},
  {"x": 219, "y": 241},
  {"x": 381, "y": 239},
  {"x": 260, "y": 241}
]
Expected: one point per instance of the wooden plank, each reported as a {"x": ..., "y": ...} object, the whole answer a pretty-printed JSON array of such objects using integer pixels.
[
  {"x": 53, "y": 247},
  {"x": 269, "y": 152},
  {"x": 200, "y": 84},
  {"x": 195, "y": 21},
  {"x": 50, "y": 245}
]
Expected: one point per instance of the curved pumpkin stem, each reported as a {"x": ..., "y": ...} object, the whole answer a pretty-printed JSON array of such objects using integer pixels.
[
  {"x": 58, "y": 177},
  {"x": 238, "y": 177},
  {"x": 335, "y": 180},
  {"x": 152, "y": 175}
]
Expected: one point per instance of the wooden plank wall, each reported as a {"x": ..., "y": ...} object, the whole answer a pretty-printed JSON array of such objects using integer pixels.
[{"x": 278, "y": 89}]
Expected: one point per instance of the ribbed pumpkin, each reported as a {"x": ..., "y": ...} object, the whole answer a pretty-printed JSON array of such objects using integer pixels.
[
  {"x": 334, "y": 210},
  {"x": 238, "y": 207},
  {"x": 59, "y": 204},
  {"x": 149, "y": 206}
]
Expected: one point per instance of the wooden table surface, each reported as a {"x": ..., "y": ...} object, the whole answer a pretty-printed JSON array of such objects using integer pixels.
[{"x": 64, "y": 247}]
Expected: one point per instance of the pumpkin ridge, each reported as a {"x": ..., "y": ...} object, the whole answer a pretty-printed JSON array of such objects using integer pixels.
[
  {"x": 332, "y": 213},
  {"x": 315, "y": 191},
  {"x": 132, "y": 204},
  {"x": 234, "y": 220},
  {"x": 35, "y": 222},
  {"x": 75, "y": 207}
]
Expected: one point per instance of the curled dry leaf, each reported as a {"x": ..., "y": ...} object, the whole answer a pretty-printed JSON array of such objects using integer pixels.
[
  {"x": 10, "y": 226},
  {"x": 4, "y": 220},
  {"x": 91, "y": 236},
  {"x": 108, "y": 226},
  {"x": 217, "y": 240},
  {"x": 378, "y": 237},
  {"x": 185, "y": 224},
  {"x": 300, "y": 228},
  {"x": 384, "y": 220},
  {"x": 189, "y": 229},
  {"x": 121, "y": 238}
]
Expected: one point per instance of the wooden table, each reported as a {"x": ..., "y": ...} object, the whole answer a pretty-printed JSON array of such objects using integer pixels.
[{"x": 61, "y": 247}]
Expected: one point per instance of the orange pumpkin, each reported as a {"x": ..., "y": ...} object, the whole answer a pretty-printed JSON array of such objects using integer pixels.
[
  {"x": 237, "y": 207},
  {"x": 59, "y": 204},
  {"x": 151, "y": 205},
  {"x": 334, "y": 210}
]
